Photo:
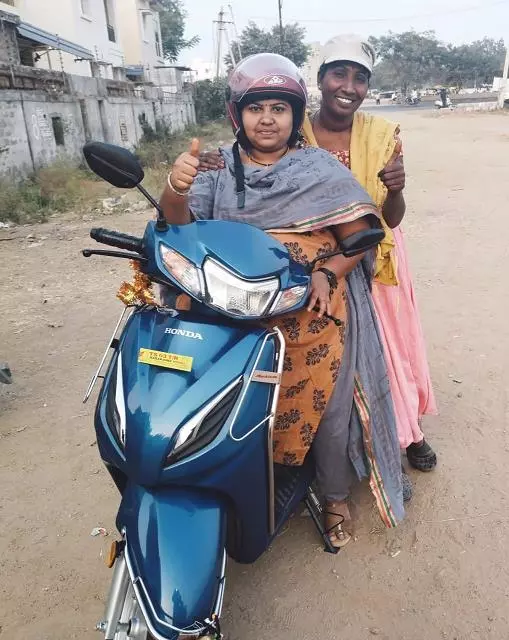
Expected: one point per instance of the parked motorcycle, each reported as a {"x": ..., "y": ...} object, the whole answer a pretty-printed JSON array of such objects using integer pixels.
[
  {"x": 440, "y": 105},
  {"x": 186, "y": 412},
  {"x": 412, "y": 101}
]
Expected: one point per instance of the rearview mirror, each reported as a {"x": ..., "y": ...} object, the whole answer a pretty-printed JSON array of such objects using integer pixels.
[
  {"x": 361, "y": 241},
  {"x": 116, "y": 165},
  {"x": 352, "y": 246}
]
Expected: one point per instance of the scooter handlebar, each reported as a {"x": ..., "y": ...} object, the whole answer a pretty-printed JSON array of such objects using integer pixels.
[{"x": 117, "y": 239}]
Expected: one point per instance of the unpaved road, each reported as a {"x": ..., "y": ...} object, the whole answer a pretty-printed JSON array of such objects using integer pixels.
[{"x": 442, "y": 575}]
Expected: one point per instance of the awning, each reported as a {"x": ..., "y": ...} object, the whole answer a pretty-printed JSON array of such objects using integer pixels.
[
  {"x": 29, "y": 32},
  {"x": 134, "y": 70},
  {"x": 178, "y": 67}
]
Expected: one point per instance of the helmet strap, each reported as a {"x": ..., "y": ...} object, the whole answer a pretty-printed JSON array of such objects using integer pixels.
[{"x": 239, "y": 176}]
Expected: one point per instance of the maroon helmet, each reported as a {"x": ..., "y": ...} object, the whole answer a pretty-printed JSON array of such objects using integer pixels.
[{"x": 265, "y": 76}]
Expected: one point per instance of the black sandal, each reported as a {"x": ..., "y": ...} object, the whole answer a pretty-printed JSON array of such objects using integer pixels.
[
  {"x": 421, "y": 456},
  {"x": 338, "y": 537}
]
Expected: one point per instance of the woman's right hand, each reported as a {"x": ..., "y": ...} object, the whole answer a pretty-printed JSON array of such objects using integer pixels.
[
  {"x": 320, "y": 294},
  {"x": 185, "y": 168},
  {"x": 211, "y": 161}
]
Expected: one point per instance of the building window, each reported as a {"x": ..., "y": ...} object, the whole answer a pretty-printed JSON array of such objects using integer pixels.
[
  {"x": 58, "y": 130},
  {"x": 111, "y": 34},
  {"x": 85, "y": 7},
  {"x": 108, "y": 10},
  {"x": 146, "y": 24},
  {"x": 158, "y": 45}
]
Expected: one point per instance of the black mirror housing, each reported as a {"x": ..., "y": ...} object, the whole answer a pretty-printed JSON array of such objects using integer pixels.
[
  {"x": 361, "y": 241},
  {"x": 114, "y": 164}
]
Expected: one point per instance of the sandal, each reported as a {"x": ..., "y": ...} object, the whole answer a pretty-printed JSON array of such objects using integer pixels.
[
  {"x": 338, "y": 537},
  {"x": 421, "y": 456}
]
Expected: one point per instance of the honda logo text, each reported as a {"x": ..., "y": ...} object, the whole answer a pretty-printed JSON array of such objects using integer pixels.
[{"x": 184, "y": 333}]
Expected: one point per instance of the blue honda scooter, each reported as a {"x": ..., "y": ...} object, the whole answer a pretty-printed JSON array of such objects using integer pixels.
[{"x": 186, "y": 413}]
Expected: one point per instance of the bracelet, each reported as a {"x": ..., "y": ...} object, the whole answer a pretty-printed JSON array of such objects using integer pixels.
[
  {"x": 174, "y": 189},
  {"x": 331, "y": 278}
]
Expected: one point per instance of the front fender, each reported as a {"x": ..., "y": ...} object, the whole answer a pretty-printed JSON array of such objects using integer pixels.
[{"x": 175, "y": 549}]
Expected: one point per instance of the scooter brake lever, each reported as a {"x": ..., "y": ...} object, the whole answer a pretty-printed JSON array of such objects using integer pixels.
[{"x": 336, "y": 321}]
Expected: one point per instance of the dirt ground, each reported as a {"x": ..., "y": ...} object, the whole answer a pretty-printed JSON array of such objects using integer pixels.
[{"x": 443, "y": 574}]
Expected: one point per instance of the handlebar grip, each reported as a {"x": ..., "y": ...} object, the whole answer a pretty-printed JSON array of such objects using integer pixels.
[{"x": 117, "y": 239}]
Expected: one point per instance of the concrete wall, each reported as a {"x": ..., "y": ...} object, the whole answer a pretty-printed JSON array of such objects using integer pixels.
[{"x": 48, "y": 116}]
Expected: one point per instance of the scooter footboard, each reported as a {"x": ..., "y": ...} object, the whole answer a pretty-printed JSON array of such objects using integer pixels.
[{"x": 175, "y": 552}]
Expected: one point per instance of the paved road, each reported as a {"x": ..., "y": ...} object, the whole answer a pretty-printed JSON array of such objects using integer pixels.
[{"x": 423, "y": 106}]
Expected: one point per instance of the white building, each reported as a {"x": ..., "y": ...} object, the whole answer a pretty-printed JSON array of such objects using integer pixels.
[
  {"x": 76, "y": 36},
  {"x": 310, "y": 69},
  {"x": 140, "y": 33},
  {"x": 103, "y": 38}
]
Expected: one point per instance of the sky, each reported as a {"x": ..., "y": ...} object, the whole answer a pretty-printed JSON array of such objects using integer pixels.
[{"x": 454, "y": 21}]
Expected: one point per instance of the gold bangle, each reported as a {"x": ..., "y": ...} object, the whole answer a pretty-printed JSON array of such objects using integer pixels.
[{"x": 174, "y": 189}]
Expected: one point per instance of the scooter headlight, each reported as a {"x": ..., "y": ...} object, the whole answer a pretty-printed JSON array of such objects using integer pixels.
[
  {"x": 238, "y": 297},
  {"x": 289, "y": 299},
  {"x": 182, "y": 270}
]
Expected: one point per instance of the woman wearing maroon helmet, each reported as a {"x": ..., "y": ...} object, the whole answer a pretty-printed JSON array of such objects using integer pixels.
[{"x": 309, "y": 202}]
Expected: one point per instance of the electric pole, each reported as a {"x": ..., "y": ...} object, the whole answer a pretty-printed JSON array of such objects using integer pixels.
[
  {"x": 235, "y": 32},
  {"x": 221, "y": 28},
  {"x": 281, "y": 31}
]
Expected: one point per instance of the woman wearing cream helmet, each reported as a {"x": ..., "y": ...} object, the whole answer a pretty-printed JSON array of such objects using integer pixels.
[{"x": 371, "y": 148}]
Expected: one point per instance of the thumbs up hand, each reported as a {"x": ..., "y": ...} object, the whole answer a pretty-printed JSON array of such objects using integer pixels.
[
  {"x": 185, "y": 169},
  {"x": 393, "y": 174}
]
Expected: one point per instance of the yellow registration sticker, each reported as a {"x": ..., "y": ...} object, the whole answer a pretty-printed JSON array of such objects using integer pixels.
[{"x": 164, "y": 359}]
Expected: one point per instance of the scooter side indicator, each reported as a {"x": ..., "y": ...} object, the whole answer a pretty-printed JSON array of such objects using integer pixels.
[{"x": 166, "y": 360}]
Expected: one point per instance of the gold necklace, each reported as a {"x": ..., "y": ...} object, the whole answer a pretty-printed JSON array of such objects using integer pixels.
[{"x": 269, "y": 164}]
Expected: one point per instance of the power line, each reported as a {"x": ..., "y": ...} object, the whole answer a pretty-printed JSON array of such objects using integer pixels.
[
  {"x": 236, "y": 33},
  {"x": 393, "y": 19},
  {"x": 222, "y": 29},
  {"x": 281, "y": 31}
]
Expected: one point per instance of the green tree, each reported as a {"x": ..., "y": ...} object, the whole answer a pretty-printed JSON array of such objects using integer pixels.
[
  {"x": 476, "y": 63},
  {"x": 255, "y": 40},
  {"x": 209, "y": 99},
  {"x": 173, "y": 24},
  {"x": 385, "y": 77},
  {"x": 414, "y": 59}
]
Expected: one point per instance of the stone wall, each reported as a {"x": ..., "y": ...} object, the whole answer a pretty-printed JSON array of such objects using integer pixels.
[
  {"x": 48, "y": 116},
  {"x": 9, "y": 50}
]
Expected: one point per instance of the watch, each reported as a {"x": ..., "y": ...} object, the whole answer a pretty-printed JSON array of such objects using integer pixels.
[{"x": 331, "y": 278}]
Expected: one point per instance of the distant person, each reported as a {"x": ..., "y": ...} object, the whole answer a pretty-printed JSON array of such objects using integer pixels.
[{"x": 443, "y": 97}]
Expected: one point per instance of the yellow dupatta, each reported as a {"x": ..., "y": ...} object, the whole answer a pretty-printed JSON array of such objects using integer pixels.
[{"x": 373, "y": 141}]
